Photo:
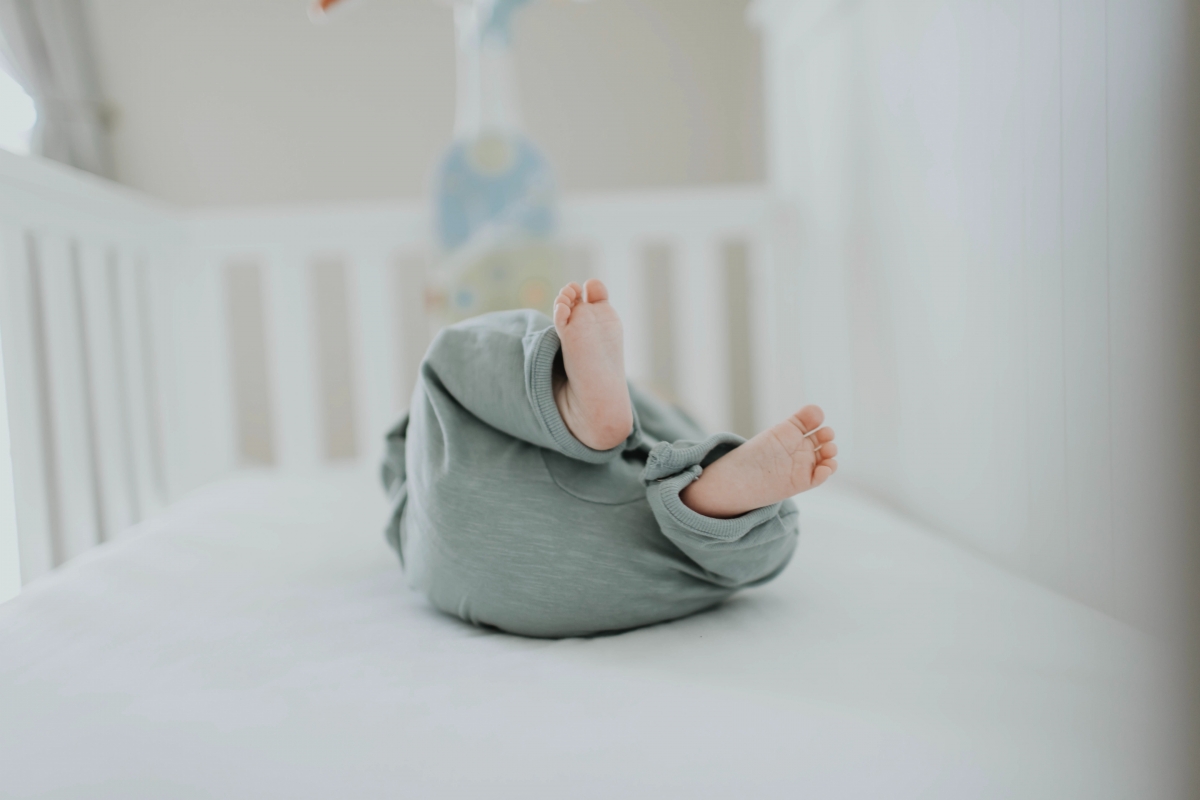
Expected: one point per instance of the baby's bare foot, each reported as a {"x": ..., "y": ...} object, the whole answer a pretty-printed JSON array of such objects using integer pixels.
[
  {"x": 594, "y": 398},
  {"x": 780, "y": 462}
]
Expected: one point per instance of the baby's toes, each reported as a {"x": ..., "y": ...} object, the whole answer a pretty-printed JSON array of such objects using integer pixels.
[
  {"x": 562, "y": 312},
  {"x": 823, "y": 471},
  {"x": 595, "y": 291},
  {"x": 810, "y": 418}
]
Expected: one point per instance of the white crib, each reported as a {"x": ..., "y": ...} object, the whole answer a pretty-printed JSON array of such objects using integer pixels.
[
  {"x": 260, "y": 354},
  {"x": 193, "y": 403}
]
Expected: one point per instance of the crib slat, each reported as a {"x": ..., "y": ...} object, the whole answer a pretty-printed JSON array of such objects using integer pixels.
[
  {"x": 31, "y": 478},
  {"x": 200, "y": 413},
  {"x": 1043, "y": 301},
  {"x": 742, "y": 370},
  {"x": 113, "y": 456},
  {"x": 701, "y": 333},
  {"x": 291, "y": 351},
  {"x": 1086, "y": 375},
  {"x": 138, "y": 385},
  {"x": 578, "y": 262},
  {"x": 335, "y": 358},
  {"x": 373, "y": 345},
  {"x": 777, "y": 288},
  {"x": 10, "y": 550},
  {"x": 1142, "y": 361},
  {"x": 769, "y": 313},
  {"x": 249, "y": 362},
  {"x": 659, "y": 287},
  {"x": 163, "y": 270},
  {"x": 411, "y": 330},
  {"x": 69, "y": 397},
  {"x": 621, "y": 271},
  {"x": 152, "y": 340}
]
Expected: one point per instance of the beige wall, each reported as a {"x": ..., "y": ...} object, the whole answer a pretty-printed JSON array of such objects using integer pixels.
[{"x": 247, "y": 102}]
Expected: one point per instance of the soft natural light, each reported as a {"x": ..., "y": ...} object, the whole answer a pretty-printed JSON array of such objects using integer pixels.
[{"x": 17, "y": 115}]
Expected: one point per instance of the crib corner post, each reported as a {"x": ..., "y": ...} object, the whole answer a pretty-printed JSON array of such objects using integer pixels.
[{"x": 10, "y": 560}]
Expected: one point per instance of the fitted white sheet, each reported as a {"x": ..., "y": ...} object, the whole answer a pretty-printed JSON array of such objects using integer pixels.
[{"x": 258, "y": 640}]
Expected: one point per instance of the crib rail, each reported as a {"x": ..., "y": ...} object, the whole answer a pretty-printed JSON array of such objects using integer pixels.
[{"x": 147, "y": 351}]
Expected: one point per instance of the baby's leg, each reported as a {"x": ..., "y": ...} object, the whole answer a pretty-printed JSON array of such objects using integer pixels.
[
  {"x": 593, "y": 400},
  {"x": 592, "y": 396},
  {"x": 792, "y": 457}
]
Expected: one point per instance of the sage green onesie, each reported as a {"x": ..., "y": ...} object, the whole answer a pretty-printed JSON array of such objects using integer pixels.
[{"x": 503, "y": 518}]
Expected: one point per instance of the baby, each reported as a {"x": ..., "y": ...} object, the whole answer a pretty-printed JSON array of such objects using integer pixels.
[{"x": 533, "y": 489}]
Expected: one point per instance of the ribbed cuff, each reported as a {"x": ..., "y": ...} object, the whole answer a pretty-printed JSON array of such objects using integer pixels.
[
  {"x": 669, "y": 458},
  {"x": 543, "y": 347},
  {"x": 671, "y": 467}
]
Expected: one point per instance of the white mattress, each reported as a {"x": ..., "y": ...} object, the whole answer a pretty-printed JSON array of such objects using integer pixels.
[{"x": 257, "y": 640}]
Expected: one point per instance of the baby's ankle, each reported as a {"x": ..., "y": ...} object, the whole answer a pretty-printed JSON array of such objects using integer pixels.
[
  {"x": 599, "y": 428},
  {"x": 792, "y": 457},
  {"x": 590, "y": 391}
]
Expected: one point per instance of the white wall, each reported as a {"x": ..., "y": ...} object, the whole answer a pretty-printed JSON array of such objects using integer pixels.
[
  {"x": 246, "y": 102},
  {"x": 985, "y": 271}
]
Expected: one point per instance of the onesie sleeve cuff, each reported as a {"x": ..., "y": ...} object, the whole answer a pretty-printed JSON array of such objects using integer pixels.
[
  {"x": 672, "y": 466},
  {"x": 543, "y": 347}
]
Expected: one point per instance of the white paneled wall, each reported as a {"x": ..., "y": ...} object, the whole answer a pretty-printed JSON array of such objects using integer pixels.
[{"x": 982, "y": 274}]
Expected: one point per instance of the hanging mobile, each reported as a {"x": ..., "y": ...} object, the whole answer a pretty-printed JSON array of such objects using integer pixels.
[{"x": 494, "y": 193}]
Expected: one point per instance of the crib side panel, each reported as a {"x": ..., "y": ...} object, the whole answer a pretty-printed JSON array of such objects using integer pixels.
[{"x": 80, "y": 358}]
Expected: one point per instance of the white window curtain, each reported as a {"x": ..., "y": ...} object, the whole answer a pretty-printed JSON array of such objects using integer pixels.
[{"x": 46, "y": 43}]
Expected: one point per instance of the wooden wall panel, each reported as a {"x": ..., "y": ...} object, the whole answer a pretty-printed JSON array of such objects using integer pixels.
[
  {"x": 1042, "y": 257},
  {"x": 1086, "y": 295},
  {"x": 1140, "y": 362}
]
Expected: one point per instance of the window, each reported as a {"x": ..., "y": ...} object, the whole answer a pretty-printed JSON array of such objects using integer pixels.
[{"x": 17, "y": 113}]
